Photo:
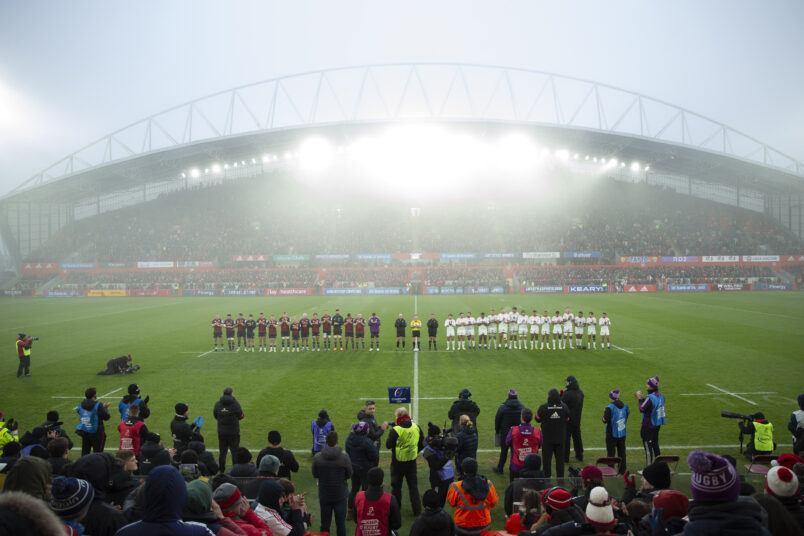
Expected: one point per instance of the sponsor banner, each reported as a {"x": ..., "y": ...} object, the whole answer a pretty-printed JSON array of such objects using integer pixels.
[
  {"x": 431, "y": 290},
  {"x": 478, "y": 290},
  {"x": 62, "y": 293},
  {"x": 411, "y": 256},
  {"x": 205, "y": 292},
  {"x": 12, "y": 292},
  {"x": 446, "y": 290},
  {"x": 107, "y": 292},
  {"x": 389, "y": 291},
  {"x": 499, "y": 255},
  {"x": 77, "y": 265},
  {"x": 794, "y": 258},
  {"x": 116, "y": 265},
  {"x": 639, "y": 288},
  {"x": 195, "y": 264},
  {"x": 497, "y": 290},
  {"x": 582, "y": 255},
  {"x": 732, "y": 286},
  {"x": 454, "y": 256},
  {"x": 288, "y": 292},
  {"x": 720, "y": 258},
  {"x": 250, "y": 258},
  {"x": 188, "y": 292},
  {"x": 150, "y": 292},
  {"x": 586, "y": 289},
  {"x": 332, "y": 257},
  {"x": 429, "y": 256},
  {"x": 639, "y": 260},
  {"x": 542, "y": 289},
  {"x": 291, "y": 258},
  {"x": 242, "y": 292},
  {"x": 33, "y": 268},
  {"x": 680, "y": 259},
  {"x": 399, "y": 395},
  {"x": 373, "y": 256},
  {"x": 155, "y": 264},
  {"x": 773, "y": 286},
  {"x": 460, "y": 290},
  {"x": 760, "y": 258},
  {"x": 343, "y": 292},
  {"x": 690, "y": 287},
  {"x": 541, "y": 255}
]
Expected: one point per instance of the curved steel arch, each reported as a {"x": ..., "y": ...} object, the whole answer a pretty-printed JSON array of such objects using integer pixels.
[{"x": 424, "y": 91}]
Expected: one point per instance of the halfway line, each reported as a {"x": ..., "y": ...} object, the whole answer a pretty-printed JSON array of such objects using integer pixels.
[{"x": 415, "y": 385}]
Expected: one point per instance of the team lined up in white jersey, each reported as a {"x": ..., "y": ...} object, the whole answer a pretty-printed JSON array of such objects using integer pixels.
[{"x": 514, "y": 330}]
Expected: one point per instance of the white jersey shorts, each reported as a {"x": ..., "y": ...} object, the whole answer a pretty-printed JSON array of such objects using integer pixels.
[
  {"x": 556, "y": 329},
  {"x": 604, "y": 330},
  {"x": 482, "y": 329},
  {"x": 493, "y": 329},
  {"x": 450, "y": 331}
]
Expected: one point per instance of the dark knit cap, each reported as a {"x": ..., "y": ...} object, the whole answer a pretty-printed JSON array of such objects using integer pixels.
[
  {"x": 464, "y": 394},
  {"x": 713, "y": 478},
  {"x": 70, "y": 496},
  {"x": 430, "y": 499},
  {"x": 375, "y": 476},
  {"x": 181, "y": 408},
  {"x": 658, "y": 475},
  {"x": 274, "y": 437}
]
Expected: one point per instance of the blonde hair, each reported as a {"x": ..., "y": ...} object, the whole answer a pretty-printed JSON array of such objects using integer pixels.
[
  {"x": 466, "y": 421},
  {"x": 400, "y": 412}
]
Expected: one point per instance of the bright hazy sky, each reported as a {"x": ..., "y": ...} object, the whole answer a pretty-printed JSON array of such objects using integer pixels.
[{"x": 71, "y": 72}]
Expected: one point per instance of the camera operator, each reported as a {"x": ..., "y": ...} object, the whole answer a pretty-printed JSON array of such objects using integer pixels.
[
  {"x": 118, "y": 365},
  {"x": 438, "y": 453},
  {"x": 761, "y": 432},
  {"x": 24, "y": 353}
]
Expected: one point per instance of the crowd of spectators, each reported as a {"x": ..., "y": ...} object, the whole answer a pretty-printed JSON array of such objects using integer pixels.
[
  {"x": 599, "y": 275},
  {"x": 218, "y": 223},
  {"x": 148, "y": 488}
]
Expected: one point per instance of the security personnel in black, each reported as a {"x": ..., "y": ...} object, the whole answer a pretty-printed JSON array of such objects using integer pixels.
[
  {"x": 553, "y": 417},
  {"x": 573, "y": 398},
  {"x": 182, "y": 431},
  {"x": 463, "y": 406},
  {"x": 432, "y": 333},
  {"x": 228, "y": 413}
]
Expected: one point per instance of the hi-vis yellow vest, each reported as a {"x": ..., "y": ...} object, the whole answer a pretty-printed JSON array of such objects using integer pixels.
[
  {"x": 763, "y": 436},
  {"x": 407, "y": 444}
]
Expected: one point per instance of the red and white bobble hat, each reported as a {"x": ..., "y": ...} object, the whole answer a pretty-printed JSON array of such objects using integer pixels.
[
  {"x": 781, "y": 482},
  {"x": 598, "y": 510}
]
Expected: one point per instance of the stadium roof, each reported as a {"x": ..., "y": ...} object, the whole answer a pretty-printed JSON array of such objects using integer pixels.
[{"x": 580, "y": 115}]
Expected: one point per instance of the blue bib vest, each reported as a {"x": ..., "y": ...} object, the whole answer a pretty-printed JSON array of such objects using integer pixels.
[
  {"x": 619, "y": 417},
  {"x": 657, "y": 411},
  {"x": 320, "y": 434},
  {"x": 123, "y": 408},
  {"x": 88, "y": 419}
]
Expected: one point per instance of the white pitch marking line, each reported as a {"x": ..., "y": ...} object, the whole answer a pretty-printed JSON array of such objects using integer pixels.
[
  {"x": 81, "y": 397},
  {"x": 741, "y": 393},
  {"x": 205, "y": 353},
  {"x": 732, "y": 394},
  {"x": 623, "y": 349},
  {"x": 415, "y": 386}
]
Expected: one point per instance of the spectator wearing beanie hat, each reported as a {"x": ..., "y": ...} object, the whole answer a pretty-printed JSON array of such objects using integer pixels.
[
  {"x": 672, "y": 506},
  {"x": 333, "y": 469},
  {"x": 434, "y": 521},
  {"x": 287, "y": 461},
  {"x": 653, "y": 417},
  {"x": 184, "y": 432},
  {"x": 656, "y": 476},
  {"x": 201, "y": 509},
  {"x": 153, "y": 454},
  {"x": 615, "y": 417},
  {"x": 235, "y": 507},
  {"x": 70, "y": 500},
  {"x": 272, "y": 500},
  {"x": 463, "y": 406},
  {"x": 715, "y": 508},
  {"x": 364, "y": 455},
  {"x": 269, "y": 466},
  {"x": 508, "y": 415},
  {"x": 242, "y": 465},
  {"x": 783, "y": 484},
  {"x": 599, "y": 513},
  {"x": 557, "y": 504}
]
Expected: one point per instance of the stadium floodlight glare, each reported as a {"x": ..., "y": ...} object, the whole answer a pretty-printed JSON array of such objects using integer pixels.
[
  {"x": 253, "y": 160},
  {"x": 612, "y": 162},
  {"x": 587, "y": 158},
  {"x": 216, "y": 168},
  {"x": 265, "y": 158},
  {"x": 594, "y": 160},
  {"x": 562, "y": 154},
  {"x": 287, "y": 155},
  {"x": 622, "y": 164},
  {"x": 194, "y": 173},
  {"x": 183, "y": 175},
  {"x": 647, "y": 168},
  {"x": 235, "y": 164},
  {"x": 576, "y": 156},
  {"x": 206, "y": 171},
  {"x": 518, "y": 153},
  {"x": 226, "y": 166},
  {"x": 243, "y": 162},
  {"x": 635, "y": 166},
  {"x": 315, "y": 154}
]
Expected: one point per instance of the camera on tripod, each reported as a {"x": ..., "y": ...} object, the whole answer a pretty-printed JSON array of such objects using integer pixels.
[{"x": 745, "y": 418}]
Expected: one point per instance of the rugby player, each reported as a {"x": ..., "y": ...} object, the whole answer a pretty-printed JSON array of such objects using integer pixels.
[
  {"x": 349, "y": 331},
  {"x": 337, "y": 326},
  {"x": 483, "y": 331},
  {"x": 262, "y": 322},
  {"x": 374, "y": 328},
  {"x": 326, "y": 328},
  {"x": 449, "y": 324},
  {"x": 492, "y": 328},
  {"x": 250, "y": 327},
  {"x": 569, "y": 329},
  {"x": 315, "y": 326},
  {"x": 241, "y": 330},
  {"x": 580, "y": 323},
  {"x": 294, "y": 334},
  {"x": 284, "y": 330},
  {"x": 360, "y": 331},
  {"x": 557, "y": 321},
  {"x": 604, "y": 324},
  {"x": 272, "y": 323},
  {"x": 230, "y": 331},
  {"x": 591, "y": 331},
  {"x": 217, "y": 332},
  {"x": 304, "y": 325}
]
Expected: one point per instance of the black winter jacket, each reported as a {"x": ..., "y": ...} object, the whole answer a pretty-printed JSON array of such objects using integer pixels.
[
  {"x": 553, "y": 418},
  {"x": 433, "y": 523},
  {"x": 183, "y": 432},
  {"x": 228, "y": 413},
  {"x": 573, "y": 398},
  {"x": 287, "y": 461},
  {"x": 462, "y": 406},
  {"x": 509, "y": 414},
  {"x": 362, "y": 451},
  {"x": 332, "y": 468}
]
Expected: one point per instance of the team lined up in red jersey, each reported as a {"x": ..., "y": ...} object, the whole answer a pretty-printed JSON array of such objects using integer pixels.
[{"x": 511, "y": 331}]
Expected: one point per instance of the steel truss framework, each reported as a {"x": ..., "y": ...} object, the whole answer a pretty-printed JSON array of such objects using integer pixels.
[{"x": 417, "y": 91}]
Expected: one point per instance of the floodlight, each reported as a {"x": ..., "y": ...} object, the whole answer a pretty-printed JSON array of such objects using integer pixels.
[
  {"x": 206, "y": 170},
  {"x": 183, "y": 175},
  {"x": 635, "y": 166},
  {"x": 594, "y": 160},
  {"x": 315, "y": 154},
  {"x": 243, "y": 162},
  {"x": 253, "y": 160},
  {"x": 575, "y": 156},
  {"x": 622, "y": 164},
  {"x": 517, "y": 153},
  {"x": 563, "y": 154},
  {"x": 235, "y": 164},
  {"x": 226, "y": 166},
  {"x": 216, "y": 168},
  {"x": 587, "y": 158},
  {"x": 194, "y": 173},
  {"x": 647, "y": 168}
]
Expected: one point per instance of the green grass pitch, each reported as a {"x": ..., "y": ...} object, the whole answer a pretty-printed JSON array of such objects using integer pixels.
[{"x": 712, "y": 351}]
